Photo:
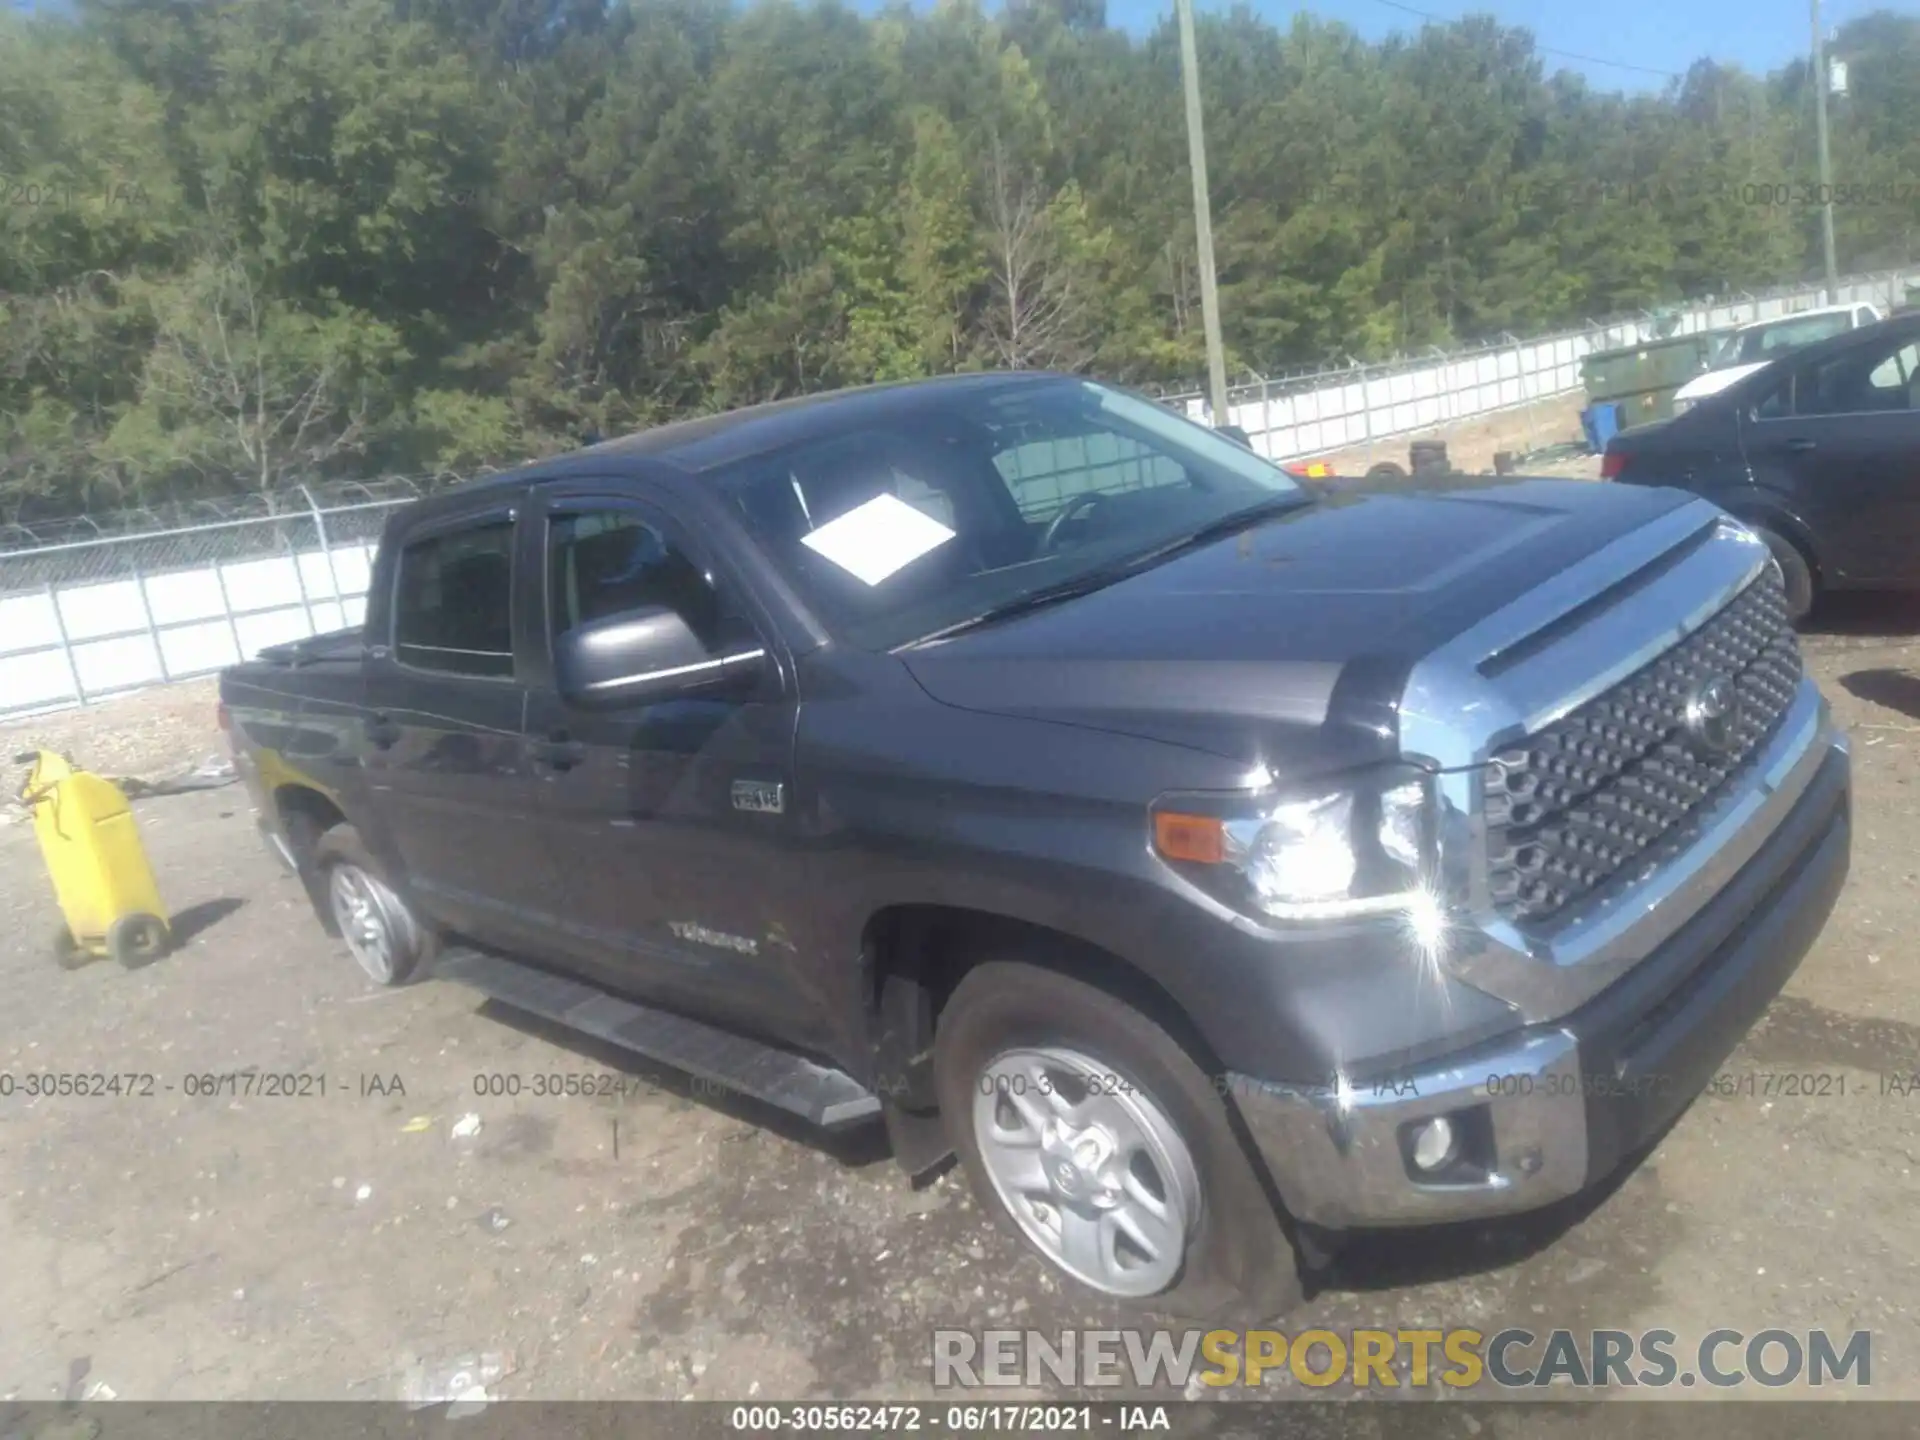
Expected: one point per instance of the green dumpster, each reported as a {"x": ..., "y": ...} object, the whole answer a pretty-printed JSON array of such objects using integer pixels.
[{"x": 1642, "y": 378}]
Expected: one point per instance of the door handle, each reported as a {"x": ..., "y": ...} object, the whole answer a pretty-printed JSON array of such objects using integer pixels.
[
  {"x": 559, "y": 751},
  {"x": 1800, "y": 442},
  {"x": 381, "y": 731}
]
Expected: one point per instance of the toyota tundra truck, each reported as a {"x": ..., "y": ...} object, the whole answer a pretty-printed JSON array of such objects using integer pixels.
[{"x": 1219, "y": 864}]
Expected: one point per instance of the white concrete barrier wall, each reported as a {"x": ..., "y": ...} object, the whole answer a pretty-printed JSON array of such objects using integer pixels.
[{"x": 74, "y": 643}]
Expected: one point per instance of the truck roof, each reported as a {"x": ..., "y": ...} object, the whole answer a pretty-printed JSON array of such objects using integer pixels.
[{"x": 709, "y": 441}]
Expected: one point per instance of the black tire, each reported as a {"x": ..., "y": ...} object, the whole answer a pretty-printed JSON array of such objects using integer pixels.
[
  {"x": 136, "y": 940},
  {"x": 1796, "y": 572},
  {"x": 342, "y": 862},
  {"x": 1238, "y": 1261},
  {"x": 1387, "y": 470}
]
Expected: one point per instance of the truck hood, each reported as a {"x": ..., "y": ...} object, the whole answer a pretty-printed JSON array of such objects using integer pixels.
[
  {"x": 1714, "y": 381},
  {"x": 1290, "y": 643}
]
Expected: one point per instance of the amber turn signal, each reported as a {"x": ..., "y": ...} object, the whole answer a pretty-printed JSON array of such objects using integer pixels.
[{"x": 1199, "y": 838}]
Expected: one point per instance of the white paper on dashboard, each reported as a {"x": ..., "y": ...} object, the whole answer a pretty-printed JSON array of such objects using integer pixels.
[{"x": 873, "y": 540}]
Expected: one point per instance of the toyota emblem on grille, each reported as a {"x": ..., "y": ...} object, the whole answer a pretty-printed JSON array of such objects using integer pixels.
[{"x": 1710, "y": 713}]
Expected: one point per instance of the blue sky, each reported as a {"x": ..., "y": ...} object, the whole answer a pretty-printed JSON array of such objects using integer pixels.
[
  {"x": 1758, "y": 35},
  {"x": 1661, "y": 35}
]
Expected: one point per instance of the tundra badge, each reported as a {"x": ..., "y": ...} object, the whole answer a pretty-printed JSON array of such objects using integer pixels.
[{"x": 760, "y": 797}]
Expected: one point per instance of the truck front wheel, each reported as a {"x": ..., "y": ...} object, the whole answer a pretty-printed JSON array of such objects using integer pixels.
[
  {"x": 384, "y": 937},
  {"x": 1096, "y": 1139}
]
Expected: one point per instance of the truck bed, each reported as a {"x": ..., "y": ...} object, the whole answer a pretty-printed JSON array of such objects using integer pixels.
[{"x": 331, "y": 646}]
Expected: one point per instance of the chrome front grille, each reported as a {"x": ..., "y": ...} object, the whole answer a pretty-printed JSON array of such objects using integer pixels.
[{"x": 1582, "y": 806}]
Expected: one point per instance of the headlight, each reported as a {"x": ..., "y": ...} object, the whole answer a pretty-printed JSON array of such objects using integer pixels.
[
  {"x": 1358, "y": 848},
  {"x": 1680, "y": 407}
]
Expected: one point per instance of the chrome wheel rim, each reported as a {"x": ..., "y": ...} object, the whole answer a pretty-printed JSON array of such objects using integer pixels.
[
  {"x": 363, "y": 920},
  {"x": 1092, "y": 1170}
]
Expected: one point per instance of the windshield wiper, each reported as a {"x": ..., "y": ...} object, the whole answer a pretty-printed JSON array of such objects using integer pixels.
[
  {"x": 1034, "y": 600},
  {"x": 1101, "y": 578}
]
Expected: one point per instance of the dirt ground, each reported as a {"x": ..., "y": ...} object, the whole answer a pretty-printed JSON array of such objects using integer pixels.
[
  {"x": 1472, "y": 444},
  {"x": 148, "y": 735}
]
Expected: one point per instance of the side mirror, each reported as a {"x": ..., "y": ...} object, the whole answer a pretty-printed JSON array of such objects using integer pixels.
[
  {"x": 645, "y": 654},
  {"x": 1235, "y": 434}
]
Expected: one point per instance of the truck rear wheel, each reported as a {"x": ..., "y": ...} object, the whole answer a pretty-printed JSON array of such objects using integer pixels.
[
  {"x": 381, "y": 932},
  {"x": 1091, "y": 1134}
]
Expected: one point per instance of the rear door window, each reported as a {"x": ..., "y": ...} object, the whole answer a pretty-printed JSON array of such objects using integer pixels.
[
  {"x": 1891, "y": 383},
  {"x": 1859, "y": 381},
  {"x": 453, "y": 602}
]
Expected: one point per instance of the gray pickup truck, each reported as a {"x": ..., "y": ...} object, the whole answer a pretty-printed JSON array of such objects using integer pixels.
[{"x": 1219, "y": 864}]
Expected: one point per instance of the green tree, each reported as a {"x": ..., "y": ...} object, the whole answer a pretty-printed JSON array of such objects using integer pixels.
[
  {"x": 245, "y": 240},
  {"x": 244, "y": 391},
  {"x": 942, "y": 265}
]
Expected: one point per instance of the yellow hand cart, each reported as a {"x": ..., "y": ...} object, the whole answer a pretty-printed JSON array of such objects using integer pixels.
[{"x": 101, "y": 877}]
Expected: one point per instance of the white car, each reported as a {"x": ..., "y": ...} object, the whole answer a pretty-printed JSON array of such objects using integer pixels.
[{"x": 1753, "y": 346}]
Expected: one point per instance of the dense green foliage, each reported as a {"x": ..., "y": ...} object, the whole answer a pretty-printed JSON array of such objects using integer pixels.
[{"x": 246, "y": 242}]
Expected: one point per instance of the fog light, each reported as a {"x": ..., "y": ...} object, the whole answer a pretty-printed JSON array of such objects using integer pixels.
[{"x": 1434, "y": 1144}]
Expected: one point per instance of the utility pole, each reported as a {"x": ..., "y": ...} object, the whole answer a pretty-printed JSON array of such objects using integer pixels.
[
  {"x": 1202, "y": 215},
  {"x": 1826, "y": 161}
]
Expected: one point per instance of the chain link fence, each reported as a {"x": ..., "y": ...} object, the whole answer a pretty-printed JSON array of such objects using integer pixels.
[{"x": 111, "y": 606}]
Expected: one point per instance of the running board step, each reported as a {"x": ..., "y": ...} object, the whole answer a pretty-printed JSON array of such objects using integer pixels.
[{"x": 819, "y": 1094}]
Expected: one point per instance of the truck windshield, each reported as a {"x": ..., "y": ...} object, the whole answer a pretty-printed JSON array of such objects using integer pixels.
[{"x": 971, "y": 502}]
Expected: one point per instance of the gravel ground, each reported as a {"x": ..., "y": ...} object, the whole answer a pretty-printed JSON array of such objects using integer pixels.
[
  {"x": 176, "y": 1246},
  {"x": 149, "y": 735}
]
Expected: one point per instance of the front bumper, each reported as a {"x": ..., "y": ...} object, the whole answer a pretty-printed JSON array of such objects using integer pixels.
[{"x": 1545, "y": 1111}]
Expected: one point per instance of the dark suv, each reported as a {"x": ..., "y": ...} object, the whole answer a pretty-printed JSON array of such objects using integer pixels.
[{"x": 1215, "y": 863}]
